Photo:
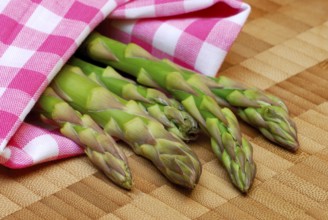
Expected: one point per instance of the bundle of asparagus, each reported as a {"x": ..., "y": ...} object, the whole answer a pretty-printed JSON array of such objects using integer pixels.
[
  {"x": 166, "y": 110},
  {"x": 211, "y": 101},
  {"x": 234, "y": 151},
  {"x": 263, "y": 111},
  {"x": 101, "y": 149},
  {"x": 126, "y": 121}
]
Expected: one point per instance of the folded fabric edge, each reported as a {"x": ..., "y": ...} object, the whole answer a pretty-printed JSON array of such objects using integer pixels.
[
  {"x": 164, "y": 39},
  {"x": 5, "y": 155},
  {"x": 103, "y": 12},
  {"x": 27, "y": 147},
  {"x": 134, "y": 10},
  {"x": 241, "y": 20}
]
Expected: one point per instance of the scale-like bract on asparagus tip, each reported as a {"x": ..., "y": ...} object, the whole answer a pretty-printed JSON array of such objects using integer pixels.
[
  {"x": 210, "y": 105},
  {"x": 175, "y": 81},
  {"x": 144, "y": 79},
  {"x": 130, "y": 91},
  {"x": 135, "y": 51},
  {"x": 103, "y": 52},
  {"x": 254, "y": 117}
]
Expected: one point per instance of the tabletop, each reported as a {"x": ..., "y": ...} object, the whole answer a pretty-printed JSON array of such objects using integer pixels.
[{"x": 283, "y": 49}]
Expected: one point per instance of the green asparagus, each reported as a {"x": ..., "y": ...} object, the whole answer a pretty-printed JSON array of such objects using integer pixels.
[
  {"x": 264, "y": 111},
  {"x": 126, "y": 121},
  {"x": 166, "y": 110},
  {"x": 101, "y": 149},
  {"x": 234, "y": 151}
]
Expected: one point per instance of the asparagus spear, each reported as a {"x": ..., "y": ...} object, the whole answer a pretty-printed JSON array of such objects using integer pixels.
[
  {"x": 262, "y": 110},
  {"x": 99, "y": 146},
  {"x": 234, "y": 151},
  {"x": 166, "y": 110},
  {"x": 126, "y": 121}
]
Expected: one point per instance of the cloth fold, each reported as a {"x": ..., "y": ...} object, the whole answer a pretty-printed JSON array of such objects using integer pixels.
[{"x": 38, "y": 37}]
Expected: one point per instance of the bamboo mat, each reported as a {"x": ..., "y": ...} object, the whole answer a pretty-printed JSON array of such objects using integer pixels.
[{"x": 283, "y": 49}]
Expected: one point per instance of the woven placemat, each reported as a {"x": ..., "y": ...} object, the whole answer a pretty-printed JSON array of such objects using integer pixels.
[{"x": 283, "y": 49}]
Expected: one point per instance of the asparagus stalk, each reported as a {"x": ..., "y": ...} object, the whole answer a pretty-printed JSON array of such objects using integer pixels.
[
  {"x": 99, "y": 146},
  {"x": 166, "y": 110},
  {"x": 126, "y": 121},
  {"x": 234, "y": 151},
  {"x": 264, "y": 111}
]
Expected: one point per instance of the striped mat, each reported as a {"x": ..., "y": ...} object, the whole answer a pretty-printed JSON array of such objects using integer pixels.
[{"x": 283, "y": 49}]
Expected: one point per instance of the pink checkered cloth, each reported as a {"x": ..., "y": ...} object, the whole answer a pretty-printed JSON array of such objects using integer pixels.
[{"x": 37, "y": 37}]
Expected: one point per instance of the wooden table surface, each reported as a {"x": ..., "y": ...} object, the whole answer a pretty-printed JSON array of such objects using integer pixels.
[{"x": 283, "y": 49}]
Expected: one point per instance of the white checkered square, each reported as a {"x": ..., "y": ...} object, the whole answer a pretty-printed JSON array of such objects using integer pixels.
[
  {"x": 108, "y": 7},
  {"x": 167, "y": 33},
  {"x": 15, "y": 57},
  {"x": 209, "y": 59},
  {"x": 125, "y": 26},
  {"x": 4, "y": 4},
  {"x": 148, "y": 10},
  {"x": 27, "y": 109},
  {"x": 33, "y": 148},
  {"x": 2, "y": 90},
  {"x": 196, "y": 4},
  {"x": 43, "y": 20},
  {"x": 242, "y": 16},
  {"x": 5, "y": 155}
]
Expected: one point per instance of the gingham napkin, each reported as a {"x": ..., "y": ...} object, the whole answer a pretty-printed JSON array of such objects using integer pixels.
[{"x": 37, "y": 37}]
